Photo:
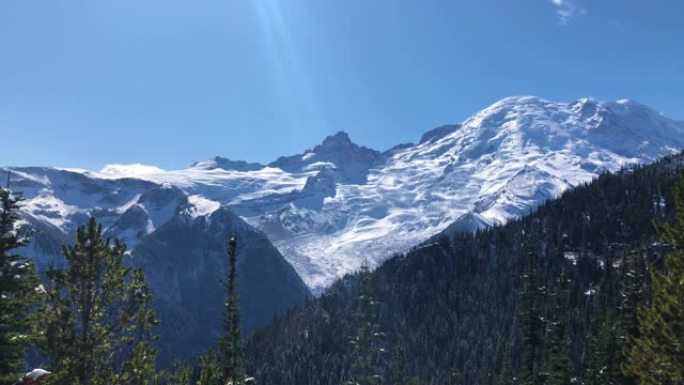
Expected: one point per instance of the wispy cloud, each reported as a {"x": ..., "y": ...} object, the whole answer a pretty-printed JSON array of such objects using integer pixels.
[{"x": 567, "y": 9}]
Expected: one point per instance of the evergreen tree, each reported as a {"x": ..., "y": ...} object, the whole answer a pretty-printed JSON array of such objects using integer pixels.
[
  {"x": 603, "y": 363},
  {"x": 656, "y": 354},
  {"x": 633, "y": 292},
  {"x": 231, "y": 344},
  {"x": 399, "y": 373},
  {"x": 366, "y": 342},
  {"x": 181, "y": 374},
  {"x": 560, "y": 365},
  {"x": 98, "y": 317},
  {"x": 208, "y": 372},
  {"x": 632, "y": 296},
  {"x": 507, "y": 375},
  {"x": 19, "y": 286},
  {"x": 458, "y": 301},
  {"x": 529, "y": 319}
]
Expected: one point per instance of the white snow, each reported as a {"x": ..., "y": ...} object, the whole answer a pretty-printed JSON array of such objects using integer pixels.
[
  {"x": 498, "y": 164},
  {"x": 135, "y": 170},
  {"x": 36, "y": 374},
  {"x": 50, "y": 209},
  {"x": 40, "y": 289},
  {"x": 122, "y": 209},
  {"x": 201, "y": 206}
]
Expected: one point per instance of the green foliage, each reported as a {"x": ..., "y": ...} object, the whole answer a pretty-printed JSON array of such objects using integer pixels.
[
  {"x": 529, "y": 320},
  {"x": 656, "y": 354},
  {"x": 366, "y": 342},
  {"x": 231, "y": 344},
  {"x": 181, "y": 374},
  {"x": 19, "y": 290},
  {"x": 209, "y": 371},
  {"x": 560, "y": 366},
  {"x": 453, "y": 302},
  {"x": 97, "y": 317},
  {"x": 603, "y": 364}
]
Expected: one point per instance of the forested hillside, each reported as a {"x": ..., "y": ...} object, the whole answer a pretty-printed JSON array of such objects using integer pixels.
[{"x": 549, "y": 298}]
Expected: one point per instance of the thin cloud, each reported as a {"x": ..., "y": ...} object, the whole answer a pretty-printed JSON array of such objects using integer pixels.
[{"x": 567, "y": 9}]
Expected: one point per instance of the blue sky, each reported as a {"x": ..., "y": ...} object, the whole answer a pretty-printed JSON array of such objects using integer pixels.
[{"x": 167, "y": 82}]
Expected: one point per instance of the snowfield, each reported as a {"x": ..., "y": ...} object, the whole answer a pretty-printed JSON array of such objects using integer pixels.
[{"x": 337, "y": 206}]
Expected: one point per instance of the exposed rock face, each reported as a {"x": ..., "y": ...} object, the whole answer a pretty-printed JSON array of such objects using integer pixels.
[
  {"x": 187, "y": 261},
  {"x": 349, "y": 162},
  {"x": 178, "y": 239},
  {"x": 227, "y": 164}
]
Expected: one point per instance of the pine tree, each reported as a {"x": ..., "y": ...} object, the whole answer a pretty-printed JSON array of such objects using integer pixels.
[
  {"x": 98, "y": 317},
  {"x": 603, "y": 363},
  {"x": 528, "y": 318},
  {"x": 19, "y": 289},
  {"x": 632, "y": 296},
  {"x": 560, "y": 365},
  {"x": 231, "y": 344},
  {"x": 208, "y": 372},
  {"x": 366, "y": 342},
  {"x": 656, "y": 354},
  {"x": 181, "y": 374}
]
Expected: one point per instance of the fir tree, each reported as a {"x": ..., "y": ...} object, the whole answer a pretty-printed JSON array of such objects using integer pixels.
[
  {"x": 231, "y": 344},
  {"x": 456, "y": 300},
  {"x": 528, "y": 318},
  {"x": 208, "y": 372},
  {"x": 181, "y": 374},
  {"x": 603, "y": 363},
  {"x": 560, "y": 365},
  {"x": 98, "y": 317},
  {"x": 366, "y": 342},
  {"x": 656, "y": 354},
  {"x": 632, "y": 295},
  {"x": 19, "y": 287}
]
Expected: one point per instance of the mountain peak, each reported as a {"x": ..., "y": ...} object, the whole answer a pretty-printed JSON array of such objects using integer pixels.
[
  {"x": 439, "y": 132},
  {"x": 340, "y": 137},
  {"x": 350, "y": 162},
  {"x": 333, "y": 202},
  {"x": 226, "y": 164},
  {"x": 522, "y": 99}
]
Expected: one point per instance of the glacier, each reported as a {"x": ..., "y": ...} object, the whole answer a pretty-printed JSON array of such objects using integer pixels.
[{"x": 337, "y": 206}]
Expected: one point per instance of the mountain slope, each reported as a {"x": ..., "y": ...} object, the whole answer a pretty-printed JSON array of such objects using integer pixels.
[
  {"x": 499, "y": 164},
  {"x": 177, "y": 238},
  {"x": 338, "y": 205},
  {"x": 186, "y": 263},
  {"x": 451, "y": 303}
]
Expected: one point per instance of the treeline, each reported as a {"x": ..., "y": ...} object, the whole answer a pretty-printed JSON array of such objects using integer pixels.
[
  {"x": 92, "y": 322},
  {"x": 588, "y": 289}
]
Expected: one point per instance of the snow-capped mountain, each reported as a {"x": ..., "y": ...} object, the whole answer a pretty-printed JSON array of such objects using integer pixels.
[
  {"x": 339, "y": 205},
  {"x": 176, "y": 237}
]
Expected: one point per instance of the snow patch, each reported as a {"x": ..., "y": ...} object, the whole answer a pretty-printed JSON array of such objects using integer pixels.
[
  {"x": 134, "y": 170},
  {"x": 498, "y": 164},
  {"x": 201, "y": 206}
]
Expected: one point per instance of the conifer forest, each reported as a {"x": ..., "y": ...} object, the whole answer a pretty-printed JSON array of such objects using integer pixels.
[
  {"x": 341, "y": 192},
  {"x": 586, "y": 289}
]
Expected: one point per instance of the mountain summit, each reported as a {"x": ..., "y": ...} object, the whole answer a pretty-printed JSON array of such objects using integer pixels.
[
  {"x": 334, "y": 206},
  {"x": 349, "y": 162}
]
